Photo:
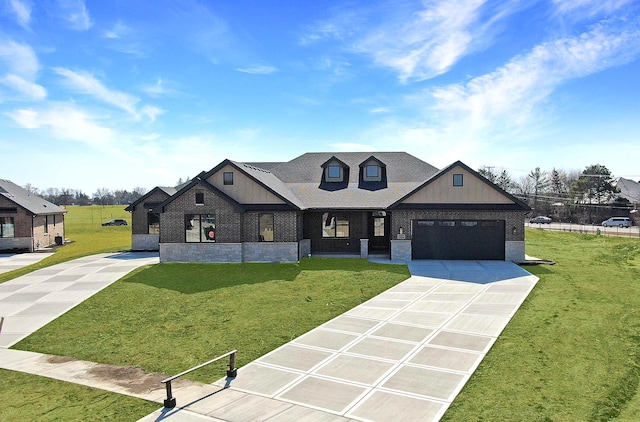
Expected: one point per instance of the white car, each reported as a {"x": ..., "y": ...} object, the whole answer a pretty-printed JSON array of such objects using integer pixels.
[{"x": 617, "y": 222}]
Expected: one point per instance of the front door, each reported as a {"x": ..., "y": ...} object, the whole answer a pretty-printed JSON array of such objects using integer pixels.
[{"x": 378, "y": 231}]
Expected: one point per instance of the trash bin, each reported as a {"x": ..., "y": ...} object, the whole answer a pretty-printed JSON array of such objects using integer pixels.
[{"x": 59, "y": 240}]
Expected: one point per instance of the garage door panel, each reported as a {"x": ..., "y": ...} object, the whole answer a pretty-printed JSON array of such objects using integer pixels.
[{"x": 458, "y": 239}]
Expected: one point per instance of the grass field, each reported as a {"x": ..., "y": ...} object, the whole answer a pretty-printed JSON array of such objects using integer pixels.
[
  {"x": 571, "y": 353},
  {"x": 87, "y": 236}
]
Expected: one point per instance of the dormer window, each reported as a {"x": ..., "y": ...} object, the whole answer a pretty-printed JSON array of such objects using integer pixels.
[
  {"x": 334, "y": 173},
  {"x": 372, "y": 171}
]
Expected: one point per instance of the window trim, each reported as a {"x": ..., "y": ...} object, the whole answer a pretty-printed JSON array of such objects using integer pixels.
[
  {"x": 7, "y": 221},
  {"x": 458, "y": 180},
  {"x": 227, "y": 178},
  {"x": 261, "y": 235},
  {"x": 200, "y": 228},
  {"x": 337, "y": 178},
  {"x": 336, "y": 220},
  {"x": 199, "y": 198}
]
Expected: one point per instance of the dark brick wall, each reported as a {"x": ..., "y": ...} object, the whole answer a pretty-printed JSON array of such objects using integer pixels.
[
  {"x": 228, "y": 218},
  {"x": 357, "y": 231},
  {"x": 139, "y": 221},
  {"x": 285, "y": 226}
]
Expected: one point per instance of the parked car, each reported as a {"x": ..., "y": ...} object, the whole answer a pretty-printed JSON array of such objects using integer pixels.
[
  {"x": 540, "y": 219},
  {"x": 617, "y": 222},
  {"x": 116, "y": 222}
]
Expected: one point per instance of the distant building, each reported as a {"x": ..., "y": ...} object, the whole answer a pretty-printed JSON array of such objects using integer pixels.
[{"x": 27, "y": 222}]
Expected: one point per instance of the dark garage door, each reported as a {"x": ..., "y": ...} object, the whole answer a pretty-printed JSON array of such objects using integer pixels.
[{"x": 458, "y": 239}]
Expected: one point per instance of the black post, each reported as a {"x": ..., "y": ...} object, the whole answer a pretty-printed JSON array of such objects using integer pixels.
[
  {"x": 232, "y": 372},
  {"x": 170, "y": 401}
]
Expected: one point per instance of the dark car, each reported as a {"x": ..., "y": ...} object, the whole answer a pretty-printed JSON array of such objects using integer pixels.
[
  {"x": 540, "y": 219},
  {"x": 116, "y": 222}
]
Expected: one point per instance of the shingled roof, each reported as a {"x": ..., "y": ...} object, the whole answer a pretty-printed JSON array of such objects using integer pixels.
[
  {"x": 23, "y": 198},
  {"x": 302, "y": 177}
]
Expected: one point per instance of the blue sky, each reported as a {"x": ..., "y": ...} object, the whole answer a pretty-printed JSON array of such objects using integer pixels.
[{"x": 131, "y": 93}]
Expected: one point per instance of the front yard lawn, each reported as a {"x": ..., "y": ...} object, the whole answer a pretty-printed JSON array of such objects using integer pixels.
[{"x": 170, "y": 317}]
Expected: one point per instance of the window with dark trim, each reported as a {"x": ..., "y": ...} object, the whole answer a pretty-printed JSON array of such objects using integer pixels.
[
  {"x": 458, "y": 180},
  {"x": 153, "y": 222},
  {"x": 227, "y": 178},
  {"x": 200, "y": 228},
  {"x": 199, "y": 198},
  {"x": 46, "y": 224},
  {"x": 7, "y": 227},
  {"x": 334, "y": 225},
  {"x": 265, "y": 227},
  {"x": 334, "y": 173}
]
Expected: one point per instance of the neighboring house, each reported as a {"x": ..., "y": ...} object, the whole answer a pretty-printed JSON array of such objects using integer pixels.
[
  {"x": 145, "y": 228},
  {"x": 629, "y": 189},
  {"x": 359, "y": 204},
  {"x": 27, "y": 222}
]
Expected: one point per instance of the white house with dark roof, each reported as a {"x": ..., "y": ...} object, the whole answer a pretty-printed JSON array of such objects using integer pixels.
[
  {"x": 383, "y": 203},
  {"x": 27, "y": 222}
]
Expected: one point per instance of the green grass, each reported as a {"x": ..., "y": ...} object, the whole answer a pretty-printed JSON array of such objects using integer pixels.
[
  {"x": 170, "y": 317},
  {"x": 83, "y": 227},
  {"x": 572, "y": 352},
  {"x": 28, "y": 397}
]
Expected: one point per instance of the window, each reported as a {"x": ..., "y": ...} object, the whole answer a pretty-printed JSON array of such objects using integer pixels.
[
  {"x": 426, "y": 223},
  {"x": 200, "y": 228},
  {"x": 334, "y": 225},
  {"x": 468, "y": 223},
  {"x": 443, "y": 223},
  {"x": 46, "y": 224},
  {"x": 199, "y": 198},
  {"x": 372, "y": 171},
  {"x": 227, "y": 178},
  {"x": 265, "y": 227},
  {"x": 7, "y": 227},
  {"x": 153, "y": 223},
  {"x": 334, "y": 172},
  {"x": 458, "y": 180}
]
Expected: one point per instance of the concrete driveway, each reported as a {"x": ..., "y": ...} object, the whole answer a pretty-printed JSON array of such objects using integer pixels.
[
  {"x": 30, "y": 302},
  {"x": 10, "y": 262},
  {"x": 401, "y": 356}
]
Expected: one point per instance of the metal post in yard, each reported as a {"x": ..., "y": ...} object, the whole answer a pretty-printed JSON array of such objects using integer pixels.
[
  {"x": 170, "y": 401},
  {"x": 233, "y": 371}
]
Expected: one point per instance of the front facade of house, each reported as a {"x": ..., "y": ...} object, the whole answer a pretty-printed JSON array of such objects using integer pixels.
[
  {"x": 27, "y": 222},
  {"x": 332, "y": 203}
]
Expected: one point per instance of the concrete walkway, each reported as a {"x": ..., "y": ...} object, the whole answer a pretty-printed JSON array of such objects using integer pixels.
[
  {"x": 10, "y": 262},
  {"x": 30, "y": 302},
  {"x": 401, "y": 356}
]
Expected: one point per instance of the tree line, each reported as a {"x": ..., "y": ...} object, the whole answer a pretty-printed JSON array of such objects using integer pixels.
[
  {"x": 587, "y": 196},
  {"x": 102, "y": 196}
]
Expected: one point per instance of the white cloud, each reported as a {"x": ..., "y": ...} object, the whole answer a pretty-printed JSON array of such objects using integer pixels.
[
  {"x": 22, "y": 11},
  {"x": 86, "y": 83},
  {"x": 258, "y": 69},
  {"x": 118, "y": 31},
  {"x": 19, "y": 59},
  {"x": 75, "y": 13},
  {"x": 588, "y": 8},
  {"x": 31, "y": 90},
  {"x": 508, "y": 94},
  {"x": 418, "y": 41},
  {"x": 66, "y": 122}
]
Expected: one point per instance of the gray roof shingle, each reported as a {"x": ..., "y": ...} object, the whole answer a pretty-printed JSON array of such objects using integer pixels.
[{"x": 26, "y": 200}]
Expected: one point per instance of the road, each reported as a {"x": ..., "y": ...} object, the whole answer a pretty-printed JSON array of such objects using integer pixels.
[{"x": 633, "y": 231}]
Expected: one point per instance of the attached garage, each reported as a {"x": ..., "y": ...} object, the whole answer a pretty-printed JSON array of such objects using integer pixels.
[{"x": 458, "y": 239}]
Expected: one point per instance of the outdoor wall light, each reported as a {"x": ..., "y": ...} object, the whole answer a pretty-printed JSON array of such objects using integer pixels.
[
  {"x": 514, "y": 230},
  {"x": 401, "y": 231}
]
